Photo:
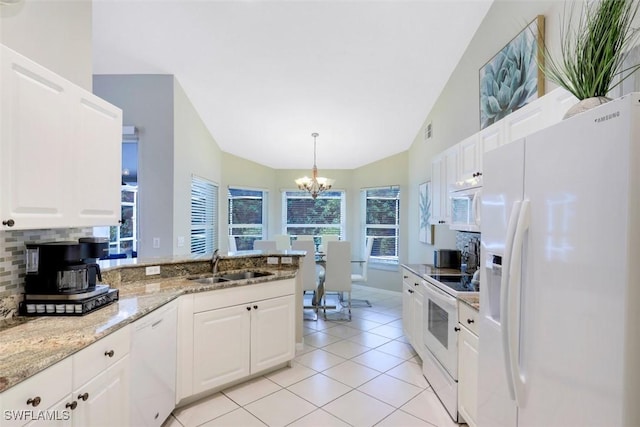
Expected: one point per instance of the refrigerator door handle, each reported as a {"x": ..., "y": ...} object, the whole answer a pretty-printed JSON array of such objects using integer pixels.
[
  {"x": 504, "y": 294},
  {"x": 515, "y": 282}
]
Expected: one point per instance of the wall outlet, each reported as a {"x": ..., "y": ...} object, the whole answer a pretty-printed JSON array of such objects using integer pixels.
[
  {"x": 286, "y": 260},
  {"x": 273, "y": 260},
  {"x": 180, "y": 241},
  {"x": 154, "y": 269},
  {"x": 156, "y": 243}
]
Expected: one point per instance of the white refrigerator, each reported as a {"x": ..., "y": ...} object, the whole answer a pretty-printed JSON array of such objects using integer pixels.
[{"x": 560, "y": 277}]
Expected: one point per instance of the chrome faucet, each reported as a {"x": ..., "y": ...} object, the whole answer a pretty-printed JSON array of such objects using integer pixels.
[{"x": 214, "y": 262}]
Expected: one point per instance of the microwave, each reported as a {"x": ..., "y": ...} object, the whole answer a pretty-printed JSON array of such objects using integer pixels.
[{"x": 466, "y": 198}]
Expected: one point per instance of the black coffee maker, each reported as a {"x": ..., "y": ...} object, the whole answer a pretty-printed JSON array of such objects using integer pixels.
[
  {"x": 63, "y": 267},
  {"x": 64, "y": 278}
]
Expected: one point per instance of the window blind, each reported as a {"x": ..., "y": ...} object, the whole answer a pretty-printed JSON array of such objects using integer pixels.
[
  {"x": 204, "y": 208},
  {"x": 381, "y": 208},
  {"x": 305, "y": 216},
  {"x": 247, "y": 213}
]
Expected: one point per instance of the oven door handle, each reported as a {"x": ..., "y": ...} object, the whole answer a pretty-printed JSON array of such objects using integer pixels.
[{"x": 440, "y": 295}]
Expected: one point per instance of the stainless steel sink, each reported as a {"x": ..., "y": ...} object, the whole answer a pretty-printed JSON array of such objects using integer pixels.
[
  {"x": 208, "y": 280},
  {"x": 241, "y": 275}
]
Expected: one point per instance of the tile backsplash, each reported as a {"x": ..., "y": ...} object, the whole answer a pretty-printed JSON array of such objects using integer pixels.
[
  {"x": 12, "y": 258},
  {"x": 464, "y": 241}
]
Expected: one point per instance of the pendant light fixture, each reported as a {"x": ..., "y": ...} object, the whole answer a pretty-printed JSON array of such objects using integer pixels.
[{"x": 314, "y": 185}]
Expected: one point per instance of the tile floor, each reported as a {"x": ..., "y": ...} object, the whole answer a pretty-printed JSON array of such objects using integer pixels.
[{"x": 358, "y": 373}]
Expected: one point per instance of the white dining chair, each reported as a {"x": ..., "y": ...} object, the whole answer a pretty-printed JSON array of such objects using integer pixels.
[
  {"x": 232, "y": 244},
  {"x": 326, "y": 238},
  {"x": 338, "y": 272},
  {"x": 283, "y": 242},
  {"x": 305, "y": 237},
  {"x": 265, "y": 245},
  {"x": 361, "y": 277},
  {"x": 308, "y": 270}
]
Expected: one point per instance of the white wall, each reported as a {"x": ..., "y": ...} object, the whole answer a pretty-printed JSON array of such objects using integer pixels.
[
  {"x": 54, "y": 33},
  {"x": 195, "y": 152}
]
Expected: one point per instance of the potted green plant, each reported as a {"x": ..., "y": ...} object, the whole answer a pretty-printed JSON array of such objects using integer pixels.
[{"x": 593, "y": 50}]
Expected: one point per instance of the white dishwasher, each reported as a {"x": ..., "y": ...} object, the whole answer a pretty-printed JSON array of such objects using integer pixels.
[{"x": 153, "y": 366}]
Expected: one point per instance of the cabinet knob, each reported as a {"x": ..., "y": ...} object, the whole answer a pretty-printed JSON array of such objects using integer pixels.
[
  {"x": 410, "y": 291},
  {"x": 9, "y": 223},
  {"x": 470, "y": 321},
  {"x": 109, "y": 353},
  {"x": 405, "y": 277},
  {"x": 83, "y": 396},
  {"x": 34, "y": 401},
  {"x": 71, "y": 405},
  {"x": 456, "y": 329},
  {"x": 255, "y": 307},
  {"x": 248, "y": 308},
  {"x": 416, "y": 284}
]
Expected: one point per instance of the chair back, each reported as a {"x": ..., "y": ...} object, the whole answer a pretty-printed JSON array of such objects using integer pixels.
[
  {"x": 326, "y": 238},
  {"x": 265, "y": 245},
  {"x": 308, "y": 270},
  {"x": 338, "y": 268},
  {"x": 283, "y": 242},
  {"x": 305, "y": 237},
  {"x": 232, "y": 244},
  {"x": 367, "y": 253}
]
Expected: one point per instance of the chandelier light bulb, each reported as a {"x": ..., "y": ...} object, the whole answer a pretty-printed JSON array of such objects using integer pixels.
[{"x": 316, "y": 184}]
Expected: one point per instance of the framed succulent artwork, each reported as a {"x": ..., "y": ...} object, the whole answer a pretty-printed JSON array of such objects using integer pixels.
[
  {"x": 513, "y": 78},
  {"x": 425, "y": 233}
]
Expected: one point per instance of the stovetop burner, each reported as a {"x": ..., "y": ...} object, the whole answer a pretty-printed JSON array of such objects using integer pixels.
[{"x": 454, "y": 284}]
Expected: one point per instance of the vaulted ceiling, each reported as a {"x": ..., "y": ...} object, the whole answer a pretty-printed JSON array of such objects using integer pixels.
[{"x": 264, "y": 75}]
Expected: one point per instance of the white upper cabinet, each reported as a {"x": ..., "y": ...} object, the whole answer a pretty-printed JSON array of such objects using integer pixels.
[
  {"x": 60, "y": 150},
  {"x": 444, "y": 173},
  {"x": 470, "y": 158}
]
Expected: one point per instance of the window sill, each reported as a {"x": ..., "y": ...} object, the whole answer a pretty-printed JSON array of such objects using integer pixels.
[{"x": 383, "y": 266}]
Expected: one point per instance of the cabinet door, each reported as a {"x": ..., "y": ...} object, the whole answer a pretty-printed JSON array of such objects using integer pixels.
[
  {"x": 272, "y": 332},
  {"x": 220, "y": 346},
  {"x": 407, "y": 310},
  {"x": 97, "y": 147},
  {"x": 489, "y": 139},
  {"x": 59, "y": 415},
  {"x": 524, "y": 121},
  {"x": 452, "y": 159},
  {"x": 468, "y": 376},
  {"x": 469, "y": 158},
  {"x": 36, "y": 155},
  {"x": 438, "y": 189},
  {"x": 105, "y": 400}
]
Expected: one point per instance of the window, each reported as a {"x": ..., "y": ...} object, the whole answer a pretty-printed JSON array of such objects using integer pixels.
[
  {"x": 247, "y": 213},
  {"x": 382, "y": 221},
  {"x": 305, "y": 216},
  {"x": 204, "y": 214}
]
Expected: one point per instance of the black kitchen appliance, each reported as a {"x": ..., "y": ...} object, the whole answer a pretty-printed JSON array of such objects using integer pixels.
[{"x": 63, "y": 278}]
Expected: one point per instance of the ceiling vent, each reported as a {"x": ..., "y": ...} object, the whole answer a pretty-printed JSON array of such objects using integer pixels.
[{"x": 428, "y": 131}]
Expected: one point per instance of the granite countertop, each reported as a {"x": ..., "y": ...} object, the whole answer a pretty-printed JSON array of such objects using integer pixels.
[
  {"x": 472, "y": 299},
  {"x": 29, "y": 345}
]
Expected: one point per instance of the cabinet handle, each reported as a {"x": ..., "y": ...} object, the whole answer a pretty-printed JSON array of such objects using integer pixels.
[
  {"x": 109, "y": 353},
  {"x": 456, "y": 329},
  {"x": 9, "y": 223},
  {"x": 34, "y": 402},
  {"x": 255, "y": 307},
  {"x": 84, "y": 396},
  {"x": 71, "y": 405},
  {"x": 416, "y": 284},
  {"x": 410, "y": 291},
  {"x": 248, "y": 308},
  {"x": 470, "y": 321}
]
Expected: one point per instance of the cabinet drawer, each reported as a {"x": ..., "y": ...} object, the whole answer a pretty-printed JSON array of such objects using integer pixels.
[
  {"x": 47, "y": 387},
  {"x": 242, "y": 294},
  {"x": 468, "y": 316},
  {"x": 94, "y": 359}
]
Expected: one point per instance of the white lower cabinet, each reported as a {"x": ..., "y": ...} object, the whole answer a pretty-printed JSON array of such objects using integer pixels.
[
  {"x": 230, "y": 334},
  {"x": 468, "y": 364},
  {"x": 412, "y": 310}
]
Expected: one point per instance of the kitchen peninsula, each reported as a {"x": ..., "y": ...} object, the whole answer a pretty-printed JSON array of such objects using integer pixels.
[{"x": 39, "y": 355}]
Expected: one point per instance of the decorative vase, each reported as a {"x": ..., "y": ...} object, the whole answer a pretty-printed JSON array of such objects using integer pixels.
[{"x": 584, "y": 105}]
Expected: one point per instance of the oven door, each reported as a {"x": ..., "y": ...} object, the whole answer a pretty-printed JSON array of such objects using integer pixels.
[{"x": 440, "y": 335}]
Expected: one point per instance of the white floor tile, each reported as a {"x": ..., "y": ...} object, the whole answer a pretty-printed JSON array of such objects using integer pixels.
[
  {"x": 362, "y": 324},
  {"x": 390, "y": 390},
  {"x": 377, "y": 317},
  {"x": 319, "y": 389},
  {"x": 369, "y": 340},
  {"x": 319, "y": 418},
  {"x": 306, "y": 348},
  {"x": 171, "y": 421},
  {"x": 396, "y": 323},
  {"x": 319, "y": 360},
  {"x": 378, "y": 360},
  {"x": 387, "y": 331},
  {"x": 416, "y": 360},
  {"x": 351, "y": 373},
  {"x": 346, "y": 349},
  {"x": 403, "y": 339},
  {"x": 280, "y": 408},
  {"x": 252, "y": 390},
  {"x": 238, "y": 418},
  {"x": 287, "y": 376},
  {"x": 426, "y": 406},
  {"x": 342, "y": 331},
  {"x": 320, "y": 339},
  {"x": 398, "y": 349},
  {"x": 358, "y": 409},
  {"x": 411, "y": 373},
  {"x": 401, "y": 418},
  {"x": 204, "y": 410}
]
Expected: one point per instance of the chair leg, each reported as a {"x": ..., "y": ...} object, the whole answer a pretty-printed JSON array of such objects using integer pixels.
[
  {"x": 324, "y": 305},
  {"x": 349, "y": 306}
]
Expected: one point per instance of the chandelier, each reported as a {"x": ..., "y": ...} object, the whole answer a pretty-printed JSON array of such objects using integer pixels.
[{"x": 314, "y": 185}]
